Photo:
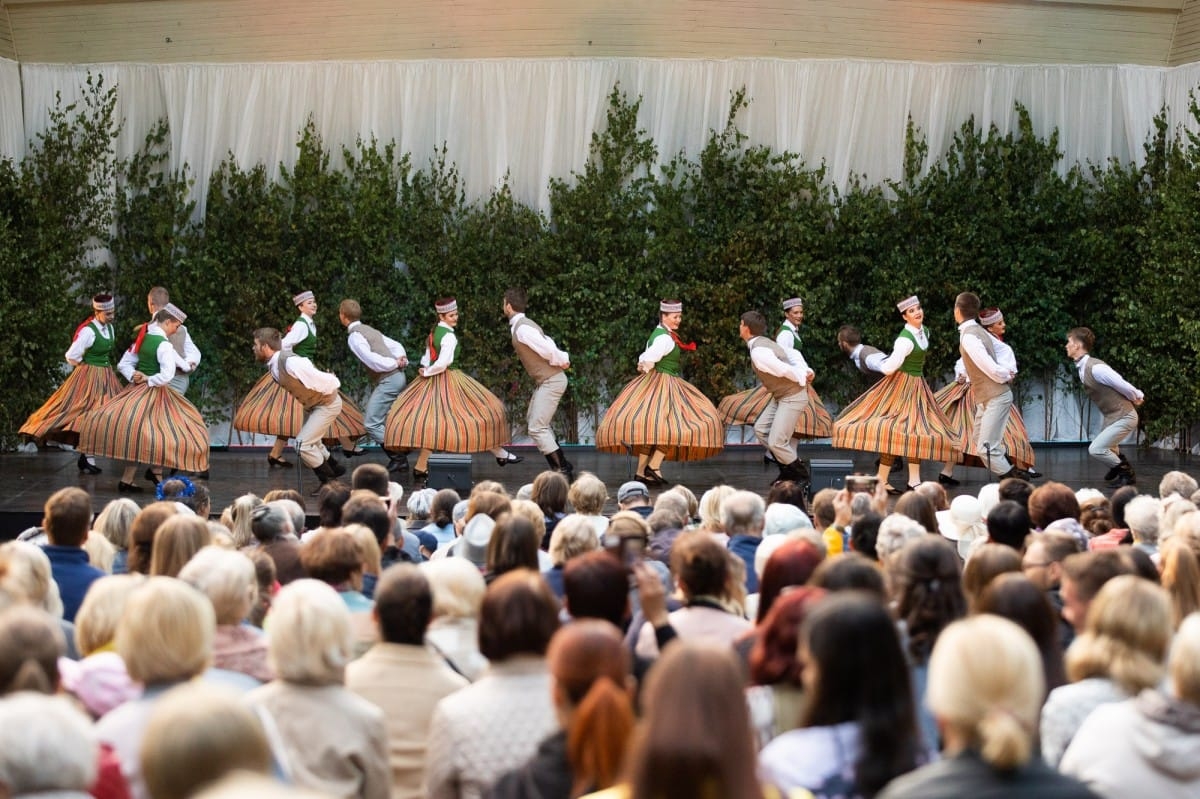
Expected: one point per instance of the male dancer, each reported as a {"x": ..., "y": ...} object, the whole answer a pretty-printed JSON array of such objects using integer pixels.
[
  {"x": 385, "y": 360},
  {"x": 544, "y": 362},
  {"x": 1116, "y": 399},
  {"x": 785, "y": 376},
  {"x": 317, "y": 391},
  {"x": 865, "y": 358},
  {"x": 990, "y": 384},
  {"x": 181, "y": 340}
]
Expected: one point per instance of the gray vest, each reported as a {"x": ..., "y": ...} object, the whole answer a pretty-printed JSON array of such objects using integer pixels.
[
  {"x": 309, "y": 397},
  {"x": 1110, "y": 401},
  {"x": 375, "y": 342},
  {"x": 780, "y": 387}
]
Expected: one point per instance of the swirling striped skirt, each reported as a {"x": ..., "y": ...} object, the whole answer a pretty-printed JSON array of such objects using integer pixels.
[
  {"x": 269, "y": 409},
  {"x": 85, "y": 389},
  {"x": 155, "y": 426},
  {"x": 897, "y": 416},
  {"x": 957, "y": 402},
  {"x": 657, "y": 411},
  {"x": 745, "y": 407},
  {"x": 449, "y": 412}
]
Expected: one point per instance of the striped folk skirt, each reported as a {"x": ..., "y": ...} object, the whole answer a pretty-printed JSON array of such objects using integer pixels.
[
  {"x": 155, "y": 426},
  {"x": 657, "y": 411},
  {"x": 449, "y": 412},
  {"x": 957, "y": 402},
  {"x": 745, "y": 407},
  {"x": 85, "y": 389},
  {"x": 898, "y": 416},
  {"x": 269, "y": 409}
]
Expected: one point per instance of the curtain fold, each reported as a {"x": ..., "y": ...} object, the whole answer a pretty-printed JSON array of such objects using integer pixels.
[{"x": 532, "y": 119}]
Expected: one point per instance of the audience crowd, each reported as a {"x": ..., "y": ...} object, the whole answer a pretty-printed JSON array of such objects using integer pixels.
[{"x": 1035, "y": 642}]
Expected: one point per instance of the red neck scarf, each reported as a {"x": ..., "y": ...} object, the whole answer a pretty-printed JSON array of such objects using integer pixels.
[{"x": 689, "y": 347}]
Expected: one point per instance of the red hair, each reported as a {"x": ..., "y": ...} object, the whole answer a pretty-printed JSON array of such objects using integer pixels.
[
  {"x": 773, "y": 658},
  {"x": 792, "y": 564}
]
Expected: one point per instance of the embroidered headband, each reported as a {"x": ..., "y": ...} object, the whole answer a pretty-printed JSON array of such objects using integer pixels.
[
  {"x": 303, "y": 297},
  {"x": 104, "y": 302},
  {"x": 794, "y": 302},
  {"x": 670, "y": 306},
  {"x": 908, "y": 302},
  {"x": 446, "y": 305}
]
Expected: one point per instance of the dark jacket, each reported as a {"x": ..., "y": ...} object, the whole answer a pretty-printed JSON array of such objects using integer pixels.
[{"x": 547, "y": 775}]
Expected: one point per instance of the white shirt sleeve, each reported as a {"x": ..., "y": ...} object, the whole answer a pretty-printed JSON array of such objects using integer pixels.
[
  {"x": 298, "y": 333},
  {"x": 373, "y": 360},
  {"x": 786, "y": 338},
  {"x": 1105, "y": 375},
  {"x": 128, "y": 364},
  {"x": 900, "y": 350},
  {"x": 167, "y": 359},
  {"x": 659, "y": 348},
  {"x": 1005, "y": 356},
  {"x": 960, "y": 370},
  {"x": 191, "y": 353},
  {"x": 303, "y": 370},
  {"x": 82, "y": 343},
  {"x": 766, "y": 360},
  {"x": 543, "y": 345},
  {"x": 977, "y": 352},
  {"x": 445, "y": 355}
]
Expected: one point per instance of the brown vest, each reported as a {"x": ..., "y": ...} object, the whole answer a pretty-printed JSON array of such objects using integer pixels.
[
  {"x": 866, "y": 351},
  {"x": 780, "y": 387},
  {"x": 178, "y": 339},
  {"x": 537, "y": 366},
  {"x": 375, "y": 342},
  {"x": 1110, "y": 401},
  {"x": 309, "y": 398},
  {"x": 983, "y": 387}
]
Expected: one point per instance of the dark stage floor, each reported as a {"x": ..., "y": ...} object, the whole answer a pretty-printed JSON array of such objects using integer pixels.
[{"x": 27, "y": 479}]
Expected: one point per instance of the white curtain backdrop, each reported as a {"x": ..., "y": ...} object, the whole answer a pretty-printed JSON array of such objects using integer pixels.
[{"x": 533, "y": 119}]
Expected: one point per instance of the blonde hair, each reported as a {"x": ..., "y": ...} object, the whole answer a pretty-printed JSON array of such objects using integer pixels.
[
  {"x": 1185, "y": 660},
  {"x": 239, "y": 514},
  {"x": 227, "y": 578},
  {"x": 101, "y": 611},
  {"x": 986, "y": 682},
  {"x": 166, "y": 632},
  {"x": 175, "y": 542},
  {"x": 368, "y": 548},
  {"x": 26, "y": 572},
  {"x": 488, "y": 487},
  {"x": 100, "y": 551},
  {"x": 311, "y": 638},
  {"x": 114, "y": 521},
  {"x": 572, "y": 536},
  {"x": 710, "y": 506},
  {"x": 1125, "y": 636},
  {"x": 587, "y": 494},
  {"x": 457, "y": 586},
  {"x": 196, "y": 735},
  {"x": 529, "y": 510},
  {"x": 693, "y": 505},
  {"x": 1181, "y": 577}
]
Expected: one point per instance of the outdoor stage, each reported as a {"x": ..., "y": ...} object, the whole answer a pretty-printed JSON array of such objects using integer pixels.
[{"x": 27, "y": 479}]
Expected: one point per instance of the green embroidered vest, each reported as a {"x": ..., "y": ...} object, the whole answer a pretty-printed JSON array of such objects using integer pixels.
[
  {"x": 307, "y": 348},
  {"x": 147, "y": 362},
  {"x": 914, "y": 364},
  {"x": 670, "y": 362},
  {"x": 99, "y": 354}
]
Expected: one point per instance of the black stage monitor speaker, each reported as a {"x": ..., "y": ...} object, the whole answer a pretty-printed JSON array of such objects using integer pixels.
[
  {"x": 450, "y": 471},
  {"x": 829, "y": 473}
]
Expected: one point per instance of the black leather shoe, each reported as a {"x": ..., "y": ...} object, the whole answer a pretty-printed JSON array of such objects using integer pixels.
[
  {"x": 512, "y": 458},
  {"x": 357, "y": 452},
  {"x": 86, "y": 466},
  {"x": 129, "y": 488},
  {"x": 420, "y": 476},
  {"x": 398, "y": 464},
  {"x": 279, "y": 463},
  {"x": 151, "y": 476},
  {"x": 338, "y": 469},
  {"x": 651, "y": 477},
  {"x": 947, "y": 480}
]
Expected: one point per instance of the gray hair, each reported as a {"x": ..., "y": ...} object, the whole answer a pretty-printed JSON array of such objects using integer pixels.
[
  {"x": 46, "y": 745},
  {"x": 270, "y": 521},
  {"x": 1142, "y": 515},
  {"x": 895, "y": 531},
  {"x": 742, "y": 513},
  {"x": 1177, "y": 483},
  {"x": 294, "y": 512}
]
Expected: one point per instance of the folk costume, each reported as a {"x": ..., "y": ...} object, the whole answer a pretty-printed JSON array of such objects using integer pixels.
[
  {"x": 181, "y": 340},
  {"x": 91, "y": 383},
  {"x": 545, "y": 363},
  {"x": 1117, "y": 400},
  {"x": 385, "y": 360},
  {"x": 270, "y": 410},
  {"x": 786, "y": 381},
  {"x": 317, "y": 392},
  {"x": 898, "y": 416},
  {"x": 444, "y": 409},
  {"x": 149, "y": 422},
  {"x": 744, "y": 407},
  {"x": 660, "y": 415}
]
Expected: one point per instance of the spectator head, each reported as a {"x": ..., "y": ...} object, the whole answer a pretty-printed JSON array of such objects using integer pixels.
[
  {"x": 1181, "y": 577},
  {"x": 1008, "y": 524},
  {"x": 742, "y": 514},
  {"x": 1044, "y": 556},
  {"x": 633, "y": 494},
  {"x": 573, "y": 536},
  {"x": 773, "y": 659},
  {"x": 929, "y": 591},
  {"x": 239, "y": 515},
  {"x": 596, "y": 586},
  {"x": 166, "y": 632},
  {"x": 1126, "y": 636},
  {"x": 783, "y": 517},
  {"x": 672, "y": 508},
  {"x": 330, "y": 499},
  {"x": 518, "y": 617},
  {"x": 550, "y": 490},
  {"x": 790, "y": 565},
  {"x": 197, "y": 734},
  {"x": 101, "y": 611},
  {"x": 176, "y": 542},
  {"x": 141, "y": 534},
  {"x": 1016, "y": 598},
  {"x": 987, "y": 563},
  {"x": 1016, "y": 490},
  {"x": 371, "y": 476},
  {"x": 227, "y": 579},
  {"x": 588, "y": 494},
  {"x": 895, "y": 531},
  {"x": 963, "y": 524},
  {"x": 293, "y": 510},
  {"x": 691, "y": 503},
  {"x": 268, "y": 522},
  {"x": 864, "y": 535},
  {"x": 311, "y": 638},
  {"x": 26, "y": 575},
  {"x": 47, "y": 747},
  {"x": 420, "y": 504},
  {"x": 1177, "y": 483},
  {"x": 31, "y": 643},
  {"x": 403, "y": 605},
  {"x": 115, "y": 520},
  {"x": 365, "y": 508},
  {"x": 1084, "y": 574},
  {"x": 851, "y": 571},
  {"x": 333, "y": 557},
  {"x": 457, "y": 587},
  {"x": 1141, "y": 517},
  {"x": 441, "y": 511},
  {"x": 1050, "y": 502},
  {"x": 1119, "y": 499},
  {"x": 710, "y": 506},
  {"x": 513, "y": 545},
  {"x": 918, "y": 508},
  {"x": 1185, "y": 660},
  {"x": 822, "y": 508},
  {"x": 489, "y": 503},
  {"x": 936, "y": 494},
  {"x": 67, "y": 517},
  {"x": 789, "y": 492},
  {"x": 700, "y": 565},
  {"x": 986, "y": 686},
  {"x": 530, "y": 512}
]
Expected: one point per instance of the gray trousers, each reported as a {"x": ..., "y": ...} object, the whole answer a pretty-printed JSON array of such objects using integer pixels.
[
  {"x": 181, "y": 381},
  {"x": 776, "y": 426},
  {"x": 315, "y": 427},
  {"x": 990, "y": 420},
  {"x": 380, "y": 402},
  {"x": 1107, "y": 446},
  {"x": 542, "y": 406}
]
